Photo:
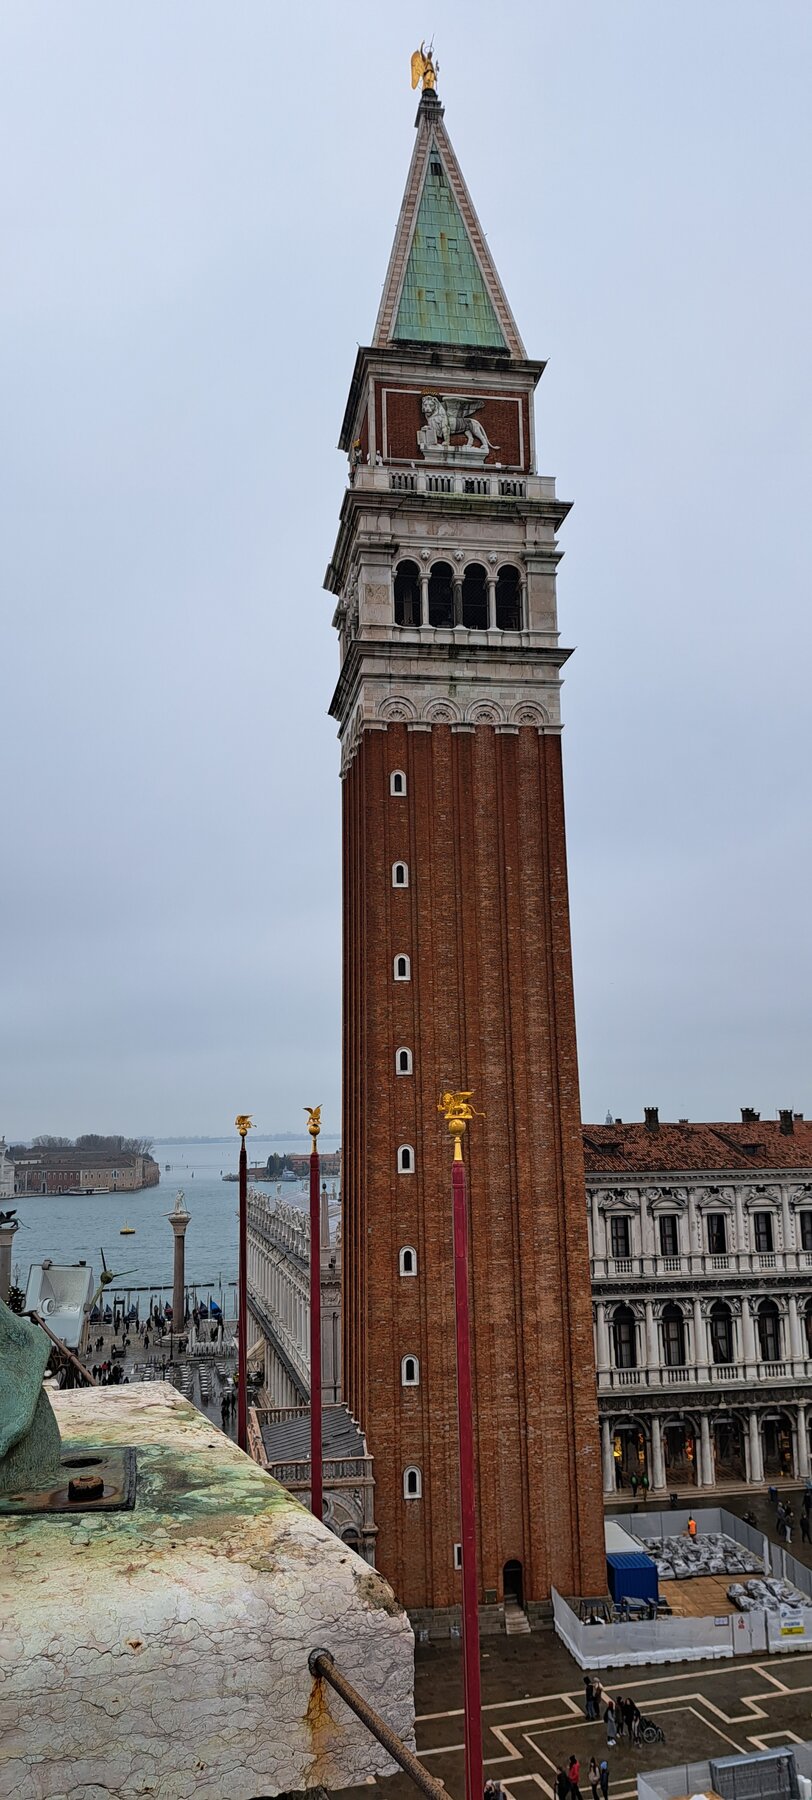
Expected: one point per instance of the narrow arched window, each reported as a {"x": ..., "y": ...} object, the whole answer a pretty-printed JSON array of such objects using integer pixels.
[
  {"x": 405, "y": 1160},
  {"x": 403, "y": 968},
  {"x": 475, "y": 598},
  {"x": 407, "y": 1260},
  {"x": 508, "y": 599},
  {"x": 412, "y": 1484},
  {"x": 409, "y": 1372},
  {"x": 407, "y": 594},
  {"x": 403, "y": 1062},
  {"x": 397, "y": 782},
  {"x": 769, "y": 1331},
  {"x": 721, "y": 1332},
  {"x": 400, "y": 875},
  {"x": 625, "y": 1337},
  {"x": 673, "y": 1336},
  {"x": 441, "y": 595}
]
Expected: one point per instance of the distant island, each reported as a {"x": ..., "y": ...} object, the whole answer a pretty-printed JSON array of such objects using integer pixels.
[
  {"x": 91, "y": 1164},
  {"x": 268, "y": 1137}
]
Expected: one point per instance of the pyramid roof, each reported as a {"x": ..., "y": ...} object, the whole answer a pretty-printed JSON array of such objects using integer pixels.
[{"x": 441, "y": 285}]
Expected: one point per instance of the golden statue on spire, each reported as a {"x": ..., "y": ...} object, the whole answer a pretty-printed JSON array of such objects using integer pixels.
[{"x": 425, "y": 68}]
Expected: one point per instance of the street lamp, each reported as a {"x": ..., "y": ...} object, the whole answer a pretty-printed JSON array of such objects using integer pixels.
[
  {"x": 316, "y": 1498},
  {"x": 243, "y": 1124},
  {"x": 457, "y": 1111}
]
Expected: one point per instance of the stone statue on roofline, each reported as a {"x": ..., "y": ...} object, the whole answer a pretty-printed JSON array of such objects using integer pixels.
[{"x": 30, "y": 1445}]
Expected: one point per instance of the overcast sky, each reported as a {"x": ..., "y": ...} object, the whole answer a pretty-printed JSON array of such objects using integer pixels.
[{"x": 198, "y": 202}]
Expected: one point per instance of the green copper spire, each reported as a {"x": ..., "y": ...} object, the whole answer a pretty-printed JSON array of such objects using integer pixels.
[{"x": 444, "y": 299}]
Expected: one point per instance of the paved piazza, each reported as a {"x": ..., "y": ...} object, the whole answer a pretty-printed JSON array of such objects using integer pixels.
[{"x": 533, "y": 1714}]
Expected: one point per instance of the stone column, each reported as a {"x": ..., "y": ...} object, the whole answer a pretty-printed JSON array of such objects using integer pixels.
[
  {"x": 652, "y": 1343},
  {"x": 707, "y": 1470},
  {"x": 756, "y": 1464},
  {"x": 700, "y": 1357},
  {"x": 796, "y": 1348},
  {"x": 657, "y": 1463},
  {"x": 603, "y": 1336},
  {"x": 179, "y": 1219},
  {"x": 803, "y": 1442},
  {"x": 491, "y": 602},
  {"x": 7, "y": 1231},
  {"x": 608, "y": 1458},
  {"x": 786, "y": 1221},
  {"x": 748, "y": 1337},
  {"x": 739, "y": 1217},
  {"x": 424, "y": 599}
]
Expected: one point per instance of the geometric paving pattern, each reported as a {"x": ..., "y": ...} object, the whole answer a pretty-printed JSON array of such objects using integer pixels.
[{"x": 704, "y": 1709}]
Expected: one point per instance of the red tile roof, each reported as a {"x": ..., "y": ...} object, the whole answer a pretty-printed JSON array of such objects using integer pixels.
[{"x": 622, "y": 1149}]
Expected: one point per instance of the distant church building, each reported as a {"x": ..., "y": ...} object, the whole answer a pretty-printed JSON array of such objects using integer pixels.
[{"x": 457, "y": 961}]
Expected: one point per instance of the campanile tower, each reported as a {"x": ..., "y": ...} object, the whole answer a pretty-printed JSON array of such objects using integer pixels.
[{"x": 457, "y": 961}]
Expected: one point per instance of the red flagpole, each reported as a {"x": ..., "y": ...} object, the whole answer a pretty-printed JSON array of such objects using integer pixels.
[
  {"x": 316, "y": 1506},
  {"x": 243, "y": 1125},
  {"x": 457, "y": 1110}
]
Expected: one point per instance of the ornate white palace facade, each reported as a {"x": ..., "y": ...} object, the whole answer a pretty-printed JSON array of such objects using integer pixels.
[{"x": 701, "y": 1252}]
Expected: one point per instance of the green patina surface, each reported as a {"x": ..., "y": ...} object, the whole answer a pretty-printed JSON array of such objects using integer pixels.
[
  {"x": 29, "y": 1435},
  {"x": 444, "y": 299},
  {"x": 190, "y": 1491}
]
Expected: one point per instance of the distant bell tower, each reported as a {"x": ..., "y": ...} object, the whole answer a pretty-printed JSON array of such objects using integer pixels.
[{"x": 457, "y": 960}]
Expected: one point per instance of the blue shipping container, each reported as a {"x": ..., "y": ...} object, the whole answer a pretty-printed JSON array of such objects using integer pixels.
[{"x": 631, "y": 1575}]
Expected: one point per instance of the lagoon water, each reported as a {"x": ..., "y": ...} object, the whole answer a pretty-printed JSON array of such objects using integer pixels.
[{"x": 68, "y": 1228}]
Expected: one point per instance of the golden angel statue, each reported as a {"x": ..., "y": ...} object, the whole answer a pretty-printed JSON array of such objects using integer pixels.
[
  {"x": 244, "y": 1123},
  {"x": 425, "y": 68}
]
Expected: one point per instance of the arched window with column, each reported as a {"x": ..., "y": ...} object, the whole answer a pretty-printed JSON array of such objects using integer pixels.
[
  {"x": 624, "y": 1338},
  {"x": 508, "y": 599},
  {"x": 673, "y": 1328},
  {"x": 441, "y": 595},
  {"x": 407, "y": 594},
  {"x": 475, "y": 598},
  {"x": 721, "y": 1332},
  {"x": 768, "y": 1320}
]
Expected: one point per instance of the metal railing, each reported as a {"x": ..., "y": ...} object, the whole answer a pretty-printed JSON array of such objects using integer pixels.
[{"x": 323, "y": 1667}]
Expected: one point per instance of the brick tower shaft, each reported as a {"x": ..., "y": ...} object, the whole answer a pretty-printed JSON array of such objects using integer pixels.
[{"x": 457, "y": 958}]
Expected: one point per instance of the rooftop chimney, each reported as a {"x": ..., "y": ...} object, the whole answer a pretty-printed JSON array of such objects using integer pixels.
[
  {"x": 749, "y": 1116},
  {"x": 652, "y": 1114},
  {"x": 785, "y": 1123}
]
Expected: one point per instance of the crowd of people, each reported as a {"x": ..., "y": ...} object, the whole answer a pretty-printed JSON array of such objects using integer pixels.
[{"x": 623, "y": 1720}]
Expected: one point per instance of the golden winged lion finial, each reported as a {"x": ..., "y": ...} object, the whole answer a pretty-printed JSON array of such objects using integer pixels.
[
  {"x": 313, "y": 1122},
  {"x": 425, "y": 69},
  {"x": 244, "y": 1123},
  {"x": 457, "y": 1110}
]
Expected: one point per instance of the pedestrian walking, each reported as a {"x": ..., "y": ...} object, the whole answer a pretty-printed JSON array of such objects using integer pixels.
[
  {"x": 629, "y": 1710},
  {"x": 563, "y": 1785},
  {"x": 610, "y": 1721},
  {"x": 604, "y": 1774},
  {"x": 597, "y": 1696},
  {"x": 574, "y": 1772},
  {"x": 633, "y": 1486},
  {"x": 635, "y": 1723},
  {"x": 589, "y": 1697},
  {"x": 594, "y": 1778},
  {"x": 644, "y": 1486},
  {"x": 804, "y": 1527},
  {"x": 691, "y": 1526}
]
